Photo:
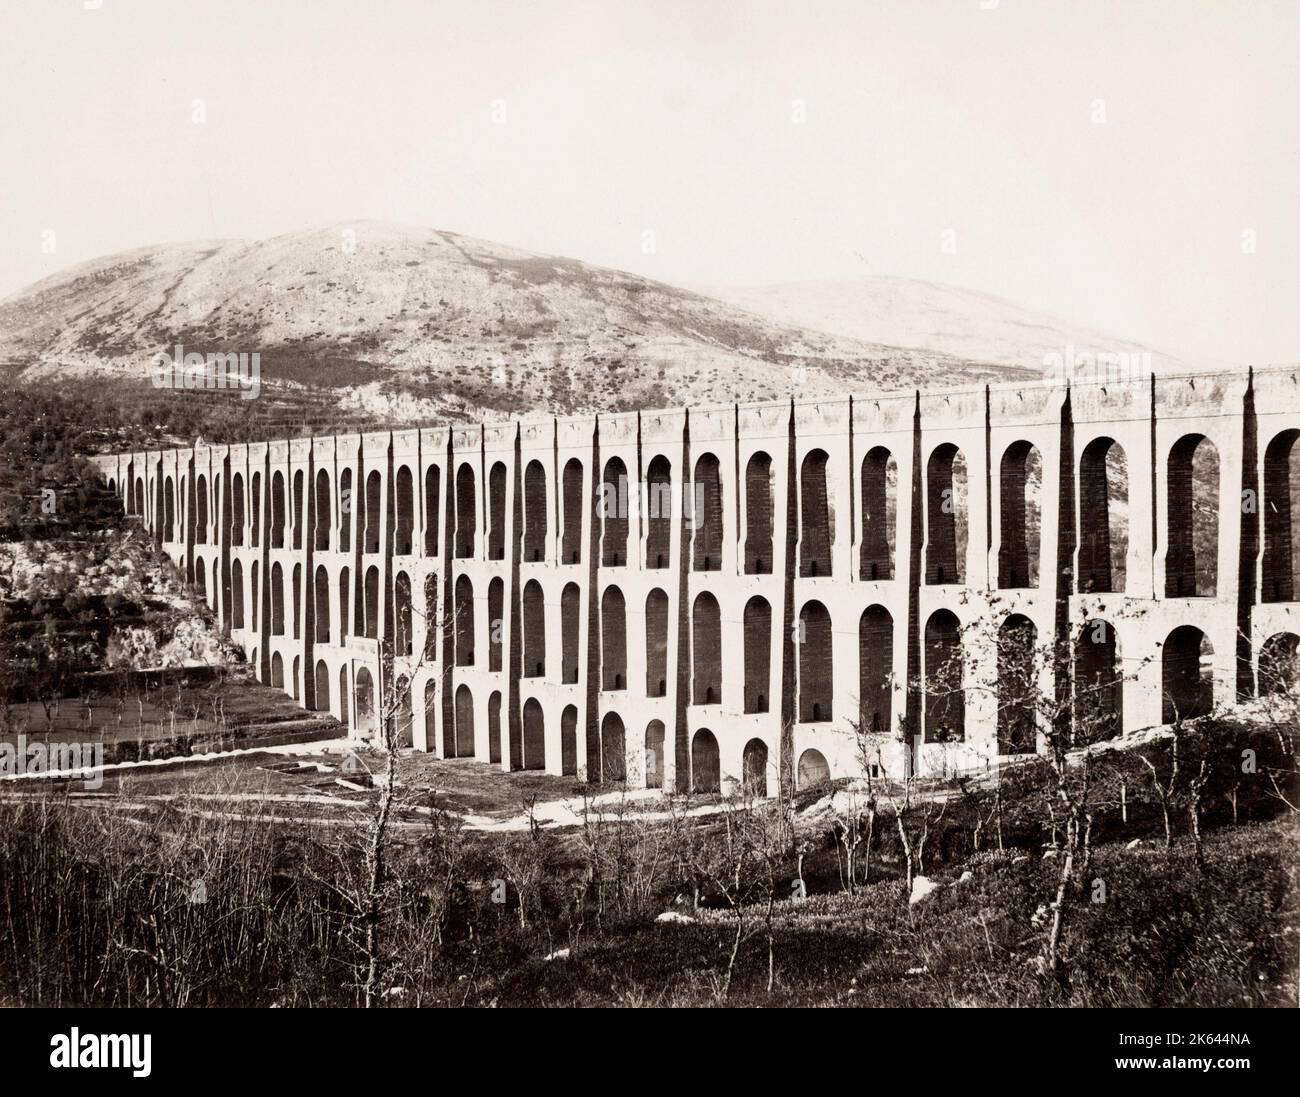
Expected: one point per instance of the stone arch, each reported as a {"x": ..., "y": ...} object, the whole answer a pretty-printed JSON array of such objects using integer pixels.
[
  {"x": 943, "y": 679},
  {"x": 706, "y": 762},
  {"x": 464, "y": 712},
  {"x": 1017, "y": 667},
  {"x": 569, "y": 741},
  {"x": 200, "y": 510},
  {"x": 277, "y": 510},
  {"x": 1281, "y": 565},
  {"x": 706, "y": 650},
  {"x": 659, "y": 513},
  {"x": 255, "y": 590},
  {"x": 404, "y": 526},
  {"x": 464, "y": 614},
  {"x": 494, "y": 728},
  {"x": 321, "y": 702},
  {"x": 200, "y": 578},
  {"x": 431, "y": 629},
  {"x": 297, "y": 601},
  {"x": 431, "y": 715},
  {"x": 297, "y": 510},
  {"x": 754, "y": 767},
  {"x": 1098, "y": 683},
  {"x": 323, "y": 495},
  {"x": 346, "y": 507},
  {"x": 322, "y": 590},
  {"x": 613, "y": 640},
  {"x": 813, "y": 770},
  {"x": 1103, "y": 517},
  {"x": 570, "y": 625},
  {"x": 534, "y": 735},
  {"x": 816, "y": 663},
  {"x": 758, "y": 654},
  {"x": 876, "y": 669},
  {"x": 534, "y": 512},
  {"x": 879, "y": 515},
  {"x": 1021, "y": 492},
  {"x": 169, "y": 510},
  {"x": 758, "y": 515},
  {"x": 374, "y": 503},
  {"x": 372, "y": 602},
  {"x": 815, "y": 516},
  {"x": 571, "y": 498},
  {"x": 236, "y": 594},
  {"x": 466, "y": 512},
  {"x": 432, "y": 502},
  {"x": 345, "y": 696},
  {"x": 277, "y": 670},
  {"x": 613, "y": 514},
  {"x": 947, "y": 521},
  {"x": 404, "y": 634},
  {"x": 656, "y": 644},
  {"x": 1187, "y": 676},
  {"x": 1192, "y": 509},
  {"x": 405, "y": 728},
  {"x": 496, "y": 622},
  {"x": 344, "y": 592},
  {"x": 1279, "y": 663},
  {"x": 534, "y": 614},
  {"x": 139, "y": 496},
  {"x": 497, "y": 512},
  {"x": 654, "y": 754},
  {"x": 705, "y": 515},
  {"x": 613, "y": 749},
  {"x": 237, "y": 510},
  {"x": 277, "y": 599}
]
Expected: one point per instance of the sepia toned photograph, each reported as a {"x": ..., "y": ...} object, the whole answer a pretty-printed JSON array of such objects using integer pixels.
[{"x": 649, "y": 504}]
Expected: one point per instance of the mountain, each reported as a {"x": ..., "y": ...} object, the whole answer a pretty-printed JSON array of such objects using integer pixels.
[
  {"x": 414, "y": 323},
  {"x": 904, "y": 312}
]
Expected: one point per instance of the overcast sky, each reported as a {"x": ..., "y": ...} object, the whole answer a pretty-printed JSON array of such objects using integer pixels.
[{"x": 1132, "y": 165}]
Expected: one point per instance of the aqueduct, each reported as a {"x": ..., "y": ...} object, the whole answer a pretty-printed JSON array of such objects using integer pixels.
[{"x": 685, "y": 598}]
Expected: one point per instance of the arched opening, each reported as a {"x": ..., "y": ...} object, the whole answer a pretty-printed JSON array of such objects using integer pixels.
[
  {"x": 1187, "y": 675},
  {"x": 432, "y": 493},
  {"x": 372, "y": 602},
  {"x": 613, "y": 640},
  {"x": 466, "y": 513},
  {"x": 139, "y": 496},
  {"x": 656, "y": 644},
  {"x": 1017, "y": 686},
  {"x": 1191, "y": 560},
  {"x": 496, "y": 623},
  {"x": 345, "y": 510},
  {"x": 943, "y": 676},
  {"x": 654, "y": 754},
  {"x": 569, "y": 741},
  {"x": 322, "y": 591},
  {"x": 321, "y": 702},
  {"x": 432, "y": 631},
  {"x": 816, "y": 664},
  {"x": 815, "y": 533},
  {"x": 1103, "y": 517},
  {"x": 200, "y": 510},
  {"x": 1098, "y": 683},
  {"x": 464, "y": 713},
  {"x": 1279, "y": 664},
  {"x": 297, "y": 510},
  {"x": 237, "y": 510},
  {"x": 236, "y": 594},
  {"x": 293, "y": 682},
  {"x": 534, "y": 612},
  {"x": 706, "y": 769},
  {"x": 403, "y": 639},
  {"x": 255, "y": 591},
  {"x": 754, "y": 767},
  {"x": 704, "y": 515},
  {"x": 879, "y": 515},
  {"x": 813, "y": 770},
  {"x": 613, "y": 749},
  {"x": 169, "y": 510},
  {"x": 277, "y": 670},
  {"x": 571, "y": 497},
  {"x": 758, "y": 654},
  {"x": 277, "y": 599},
  {"x": 297, "y": 601},
  {"x": 404, "y": 528},
  {"x": 464, "y": 613},
  {"x": 344, "y": 593},
  {"x": 345, "y": 708},
  {"x": 404, "y": 732},
  {"x": 277, "y": 509},
  {"x": 497, "y": 512},
  {"x": 200, "y": 579},
  {"x": 494, "y": 728},
  {"x": 706, "y": 650},
  {"x": 758, "y": 515},
  {"x": 570, "y": 603},
  {"x": 613, "y": 514},
  {"x": 534, "y": 735},
  {"x": 876, "y": 669},
  {"x": 659, "y": 513},
  {"x": 374, "y": 501},
  {"x": 947, "y": 526},
  {"x": 322, "y": 537},
  {"x": 1021, "y": 485},
  {"x": 431, "y": 715},
  {"x": 1281, "y": 572},
  {"x": 534, "y": 512}
]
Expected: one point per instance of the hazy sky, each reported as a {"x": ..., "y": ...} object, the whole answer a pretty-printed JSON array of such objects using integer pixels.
[{"x": 1134, "y": 165}]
